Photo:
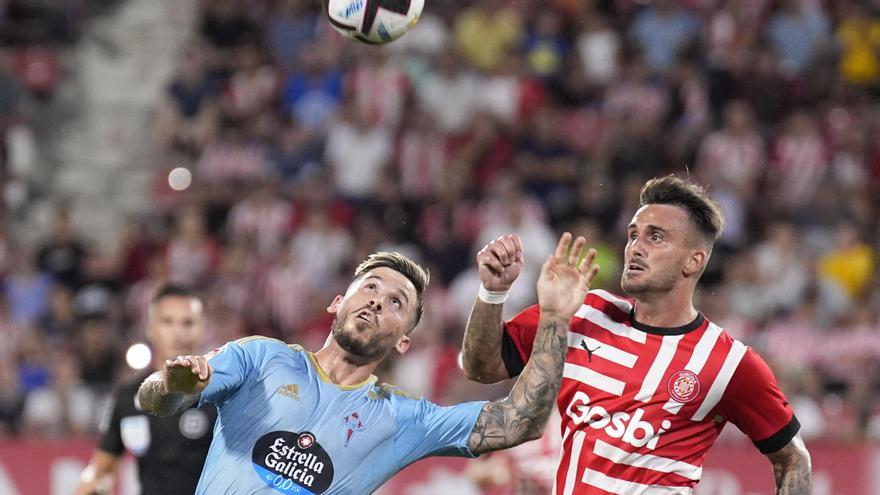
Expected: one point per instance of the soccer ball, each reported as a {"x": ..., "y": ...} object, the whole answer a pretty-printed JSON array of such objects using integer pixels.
[{"x": 373, "y": 21}]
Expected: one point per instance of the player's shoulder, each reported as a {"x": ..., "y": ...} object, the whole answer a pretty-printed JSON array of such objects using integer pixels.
[
  {"x": 390, "y": 392},
  {"x": 726, "y": 339},
  {"x": 259, "y": 342},
  {"x": 618, "y": 308},
  {"x": 609, "y": 303},
  {"x": 730, "y": 351}
]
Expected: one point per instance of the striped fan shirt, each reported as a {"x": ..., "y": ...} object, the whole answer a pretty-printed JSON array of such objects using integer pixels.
[{"x": 642, "y": 405}]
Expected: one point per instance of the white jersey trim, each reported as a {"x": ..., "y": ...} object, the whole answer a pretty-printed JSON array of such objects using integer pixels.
[
  {"x": 561, "y": 453},
  {"x": 698, "y": 359},
  {"x": 603, "y": 350},
  {"x": 577, "y": 444},
  {"x": 601, "y": 319},
  {"x": 716, "y": 391},
  {"x": 593, "y": 379},
  {"x": 658, "y": 368},
  {"x": 647, "y": 461},
  {"x": 618, "y": 301},
  {"x": 623, "y": 487}
]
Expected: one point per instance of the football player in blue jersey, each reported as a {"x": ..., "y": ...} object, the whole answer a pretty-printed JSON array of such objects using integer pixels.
[{"x": 295, "y": 422}]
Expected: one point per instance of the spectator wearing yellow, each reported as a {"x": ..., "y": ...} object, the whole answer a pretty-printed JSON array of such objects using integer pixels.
[
  {"x": 486, "y": 32},
  {"x": 850, "y": 264},
  {"x": 858, "y": 36}
]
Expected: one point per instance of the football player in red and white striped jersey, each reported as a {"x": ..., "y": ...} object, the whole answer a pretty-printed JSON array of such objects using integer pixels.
[{"x": 648, "y": 382}]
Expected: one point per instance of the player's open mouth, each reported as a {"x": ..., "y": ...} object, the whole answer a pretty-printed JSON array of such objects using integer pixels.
[
  {"x": 365, "y": 315},
  {"x": 632, "y": 267}
]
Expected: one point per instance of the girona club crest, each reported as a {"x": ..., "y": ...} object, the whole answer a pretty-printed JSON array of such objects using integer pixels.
[{"x": 683, "y": 386}]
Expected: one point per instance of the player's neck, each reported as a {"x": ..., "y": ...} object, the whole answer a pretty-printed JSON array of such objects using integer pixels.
[
  {"x": 665, "y": 310},
  {"x": 341, "y": 369}
]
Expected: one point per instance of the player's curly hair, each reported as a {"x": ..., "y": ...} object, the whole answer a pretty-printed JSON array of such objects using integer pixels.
[
  {"x": 704, "y": 211},
  {"x": 406, "y": 267}
]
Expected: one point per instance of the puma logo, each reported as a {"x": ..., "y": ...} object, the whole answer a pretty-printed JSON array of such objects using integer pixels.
[{"x": 589, "y": 351}]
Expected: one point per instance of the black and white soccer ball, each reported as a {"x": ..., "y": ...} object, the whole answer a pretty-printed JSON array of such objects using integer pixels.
[{"x": 373, "y": 21}]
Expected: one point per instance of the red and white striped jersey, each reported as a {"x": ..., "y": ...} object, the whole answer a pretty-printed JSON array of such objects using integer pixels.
[{"x": 642, "y": 405}]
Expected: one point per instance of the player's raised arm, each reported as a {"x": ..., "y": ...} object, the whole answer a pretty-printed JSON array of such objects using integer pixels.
[
  {"x": 522, "y": 415},
  {"x": 176, "y": 387},
  {"x": 791, "y": 468},
  {"x": 499, "y": 264}
]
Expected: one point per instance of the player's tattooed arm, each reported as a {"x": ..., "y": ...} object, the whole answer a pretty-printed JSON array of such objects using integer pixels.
[
  {"x": 523, "y": 414},
  {"x": 176, "y": 387},
  {"x": 481, "y": 350},
  {"x": 791, "y": 468},
  {"x": 498, "y": 264}
]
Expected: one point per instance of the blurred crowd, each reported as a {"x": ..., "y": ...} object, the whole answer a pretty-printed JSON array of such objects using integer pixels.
[
  {"x": 308, "y": 152},
  {"x": 35, "y": 35}
]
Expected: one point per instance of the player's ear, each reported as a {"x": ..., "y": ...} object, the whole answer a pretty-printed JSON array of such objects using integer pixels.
[
  {"x": 402, "y": 345},
  {"x": 334, "y": 306},
  {"x": 695, "y": 262}
]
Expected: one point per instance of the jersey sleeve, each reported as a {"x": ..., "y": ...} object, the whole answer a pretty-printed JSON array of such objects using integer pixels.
[
  {"x": 111, "y": 436},
  {"x": 754, "y": 402},
  {"x": 518, "y": 338},
  {"x": 234, "y": 363},
  {"x": 426, "y": 429}
]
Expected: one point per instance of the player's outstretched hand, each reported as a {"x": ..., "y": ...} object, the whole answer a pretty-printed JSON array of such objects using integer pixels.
[
  {"x": 500, "y": 262},
  {"x": 565, "y": 277},
  {"x": 186, "y": 374}
]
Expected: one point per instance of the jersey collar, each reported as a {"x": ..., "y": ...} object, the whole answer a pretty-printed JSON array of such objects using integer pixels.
[
  {"x": 326, "y": 379},
  {"x": 689, "y": 327}
]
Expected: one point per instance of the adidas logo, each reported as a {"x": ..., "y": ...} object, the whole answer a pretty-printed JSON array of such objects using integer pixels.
[{"x": 291, "y": 391}]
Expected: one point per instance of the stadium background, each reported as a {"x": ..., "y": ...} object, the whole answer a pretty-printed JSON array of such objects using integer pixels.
[{"x": 492, "y": 116}]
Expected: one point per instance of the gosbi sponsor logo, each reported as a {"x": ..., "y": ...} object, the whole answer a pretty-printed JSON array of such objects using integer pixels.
[
  {"x": 627, "y": 427},
  {"x": 293, "y": 463}
]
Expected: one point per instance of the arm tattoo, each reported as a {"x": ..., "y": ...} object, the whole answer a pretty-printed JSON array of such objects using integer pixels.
[
  {"x": 523, "y": 415},
  {"x": 791, "y": 469},
  {"x": 153, "y": 398},
  {"x": 481, "y": 350}
]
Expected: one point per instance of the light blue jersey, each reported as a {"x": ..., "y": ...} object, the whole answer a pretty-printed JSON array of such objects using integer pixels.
[{"x": 283, "y": 427}]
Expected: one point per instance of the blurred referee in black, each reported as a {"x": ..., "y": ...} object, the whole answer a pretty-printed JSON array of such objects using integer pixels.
[{"x": 170, "y": 450}]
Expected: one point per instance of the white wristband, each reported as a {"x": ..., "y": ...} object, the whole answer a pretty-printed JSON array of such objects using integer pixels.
[{"x": 491, "y": 296}]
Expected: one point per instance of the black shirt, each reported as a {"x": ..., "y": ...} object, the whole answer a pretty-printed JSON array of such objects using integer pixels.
[{"x": 170, "y": 450}]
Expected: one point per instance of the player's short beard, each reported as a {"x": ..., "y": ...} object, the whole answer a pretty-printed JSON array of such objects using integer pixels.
[
  {"x": 661, "y": 283},
  {"x": 370, "y": 350}
]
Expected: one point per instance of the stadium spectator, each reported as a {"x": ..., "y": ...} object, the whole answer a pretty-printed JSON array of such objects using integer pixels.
[
  {"x": 599, "y": 46},
  {"x": 27, "y": 289},
  {"x": 188, "y": 111},
  {"x": 311, "y": 95},
  {"x": 797, "y": 31},
  {"x": 357, "y": 154},
  {"x": 11, "y": 399},
  {"x": 62, "y": 407},
  {"x": 486, "y": 31},
  {"x": 798, "y": 161},
  {"x": 661, "y": 31},
  {"x": 192, "y": 253}
]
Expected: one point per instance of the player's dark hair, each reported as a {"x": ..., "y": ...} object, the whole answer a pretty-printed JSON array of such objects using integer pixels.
[
  {"x": 703, "y": 211},
  {"x": 173, "y": 290},
  {"x": 406, "y": 267}
]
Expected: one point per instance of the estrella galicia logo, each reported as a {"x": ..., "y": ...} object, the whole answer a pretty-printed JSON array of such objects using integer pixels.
[{"x": 293, "y": 463}]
